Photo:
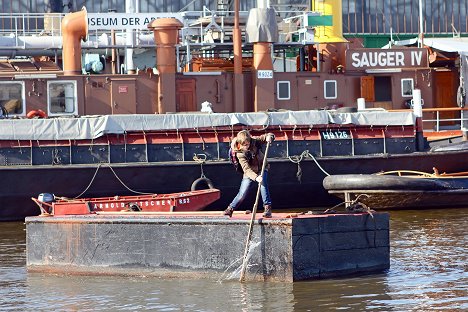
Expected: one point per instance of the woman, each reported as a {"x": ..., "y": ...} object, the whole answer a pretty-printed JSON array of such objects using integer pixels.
[{"x": 248, "y": 151}]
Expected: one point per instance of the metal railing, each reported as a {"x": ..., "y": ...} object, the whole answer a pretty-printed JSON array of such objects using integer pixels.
[
  {"x": 196, "y": 25},
  {"x": 432, "y": 116},
  {"x": 434, "y": 121}
]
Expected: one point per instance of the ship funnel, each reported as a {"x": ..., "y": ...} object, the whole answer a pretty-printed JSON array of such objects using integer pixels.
[
  {"x": 74, "y": 29},
  {"x": 166, "y": 37},
  {"x": 329, "y": 34}
]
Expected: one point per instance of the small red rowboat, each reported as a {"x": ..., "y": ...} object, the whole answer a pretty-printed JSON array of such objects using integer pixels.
[{"x": 183, "y": 201}]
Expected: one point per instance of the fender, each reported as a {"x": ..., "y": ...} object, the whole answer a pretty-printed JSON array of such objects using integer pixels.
[{"x": 201, "y": 181}]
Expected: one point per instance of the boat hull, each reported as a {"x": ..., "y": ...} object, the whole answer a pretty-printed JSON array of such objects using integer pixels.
[
  {"x": 404, "y": 199},
  {"x": 399, "y": 192},
  {"x": 168, "y": 177}
]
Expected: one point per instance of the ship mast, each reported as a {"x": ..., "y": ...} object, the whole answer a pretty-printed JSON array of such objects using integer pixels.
[
  {"x": 238, "y": 93},
  {"x": 421, "y": 32}
]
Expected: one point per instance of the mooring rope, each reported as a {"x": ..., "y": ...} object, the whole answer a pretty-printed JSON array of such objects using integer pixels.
[
  {"x": 89, "y": 185},
  {"x": 297, "y": 160},
  {"x": 116, "y": 176},
  {"x": 120, "y": 180},
  {"x": 201, "y": 159},
  {"x": 265, "y": 126}
]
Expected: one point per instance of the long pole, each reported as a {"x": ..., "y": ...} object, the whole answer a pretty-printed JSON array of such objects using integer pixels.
[
  {"x": 421, "y": 31},
  {"x": 252, "y": 219}
]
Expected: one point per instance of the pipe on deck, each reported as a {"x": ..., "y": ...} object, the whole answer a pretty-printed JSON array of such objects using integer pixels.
[{"x": 74, "y": 29}]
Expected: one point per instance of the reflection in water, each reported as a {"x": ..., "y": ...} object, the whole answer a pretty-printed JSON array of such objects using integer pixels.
[{"x": 428, "y": 271}]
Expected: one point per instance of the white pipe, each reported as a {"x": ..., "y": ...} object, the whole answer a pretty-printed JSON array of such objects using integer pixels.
[
  {"x": 47, "y": 45},
  {"x": 130, "y": 7},
  {"x": 263, "y": 4},
  {"x": 361, "y": 104},
  {"x": 417, "y": 103}
]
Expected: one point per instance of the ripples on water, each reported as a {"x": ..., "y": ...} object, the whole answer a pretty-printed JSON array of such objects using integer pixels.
[{"x": 429, "y": 257}]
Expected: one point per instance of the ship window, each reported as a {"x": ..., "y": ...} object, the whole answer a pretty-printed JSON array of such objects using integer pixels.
[
  {"x": 383, "y": 88},
  {"x": 329, "y": 89},
  {"x": 407, "y": 86},
  {"x": 283, "y": 90},
  {"x": 62, "y": 98},
  {"x": 12, "y": 98}
]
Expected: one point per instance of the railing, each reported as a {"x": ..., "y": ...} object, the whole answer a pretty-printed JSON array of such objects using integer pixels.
[
  {"x": 440, "y": 123},
  {"x": 434, "y": 121},
  {"x": 196, "y": 26},
  {"x": 27, "y": 24}
]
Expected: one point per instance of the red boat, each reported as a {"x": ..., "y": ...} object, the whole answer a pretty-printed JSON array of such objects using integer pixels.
[{"x": 182, "y": 201}]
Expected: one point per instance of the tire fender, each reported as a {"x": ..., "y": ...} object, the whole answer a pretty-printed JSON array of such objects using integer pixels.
[{"x": 201, "y": 181}]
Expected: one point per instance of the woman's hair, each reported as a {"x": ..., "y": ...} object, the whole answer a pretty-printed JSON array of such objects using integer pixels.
[{"x": 243, "y": 136}]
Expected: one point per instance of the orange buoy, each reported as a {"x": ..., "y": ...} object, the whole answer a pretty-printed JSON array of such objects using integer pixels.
[{"x": 36, "y": 113}]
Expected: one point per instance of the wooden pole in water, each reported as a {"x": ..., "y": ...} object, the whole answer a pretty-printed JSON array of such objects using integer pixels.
[{"x": 252, "y": 219}]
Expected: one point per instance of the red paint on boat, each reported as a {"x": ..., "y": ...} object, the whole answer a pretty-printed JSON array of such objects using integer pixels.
[{"x": 182, "y": 201}]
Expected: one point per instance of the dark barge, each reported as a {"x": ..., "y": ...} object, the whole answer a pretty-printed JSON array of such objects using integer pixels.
[
  {"x": 288, "y": 247},
  {"x": 111, "y": 155}
]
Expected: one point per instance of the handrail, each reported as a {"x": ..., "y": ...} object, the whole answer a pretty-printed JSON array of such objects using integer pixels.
[
  {"x": 440, "y": 121},
  {"x": 27, "y": 24}
]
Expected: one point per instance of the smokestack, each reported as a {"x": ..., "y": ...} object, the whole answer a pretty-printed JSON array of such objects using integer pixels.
[
  {"x": 166, "y": 37},
  {"x": 74, "y": 29},
  {"x": 262, "y": 30}
]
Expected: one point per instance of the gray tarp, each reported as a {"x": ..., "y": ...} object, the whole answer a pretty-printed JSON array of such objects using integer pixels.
[
  {"x": 93, "y": 127},
  {"x": 261, "y": 26}
]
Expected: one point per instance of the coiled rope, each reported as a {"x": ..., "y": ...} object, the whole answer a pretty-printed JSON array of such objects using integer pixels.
[{"x": 297, "y": 160}]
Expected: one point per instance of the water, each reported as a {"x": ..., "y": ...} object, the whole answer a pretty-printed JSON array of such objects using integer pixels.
[{"x": 429, "y": 272}]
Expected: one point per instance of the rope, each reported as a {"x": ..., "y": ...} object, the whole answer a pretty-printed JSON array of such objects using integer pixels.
[
  {"x": 89, "y": 185},
  {"x": 124, "y": 185},
  {"x": 264, "y": 127},
  {"x": 201, "y": 160},
  {"x": 203, "y": 141},
  {"x": 298, "y": 159},
  {"x": 56, "y": 159},
  {"x": 117, "y": 177}
]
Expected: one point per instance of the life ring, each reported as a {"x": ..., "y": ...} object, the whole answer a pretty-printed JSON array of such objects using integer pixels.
[
  {"x": 201, "y": 181},
  {"x": 36, "y": 113}
]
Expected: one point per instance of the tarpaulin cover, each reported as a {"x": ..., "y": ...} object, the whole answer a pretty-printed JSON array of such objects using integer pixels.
[{"x": 92, "y": 127}]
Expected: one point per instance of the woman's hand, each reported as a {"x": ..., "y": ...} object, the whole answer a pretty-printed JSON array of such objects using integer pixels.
[{"x": 270, "y": 137}]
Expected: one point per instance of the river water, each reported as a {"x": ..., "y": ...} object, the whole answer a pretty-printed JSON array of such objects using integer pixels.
[{"x": 429, "y": 272}]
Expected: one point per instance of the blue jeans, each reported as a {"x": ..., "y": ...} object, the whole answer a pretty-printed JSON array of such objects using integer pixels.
[{"x": 245, "y": 187}]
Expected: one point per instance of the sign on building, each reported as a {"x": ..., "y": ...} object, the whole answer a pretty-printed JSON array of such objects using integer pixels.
[
  {"x": 362, "y": 59},
  {"x": 101, "y": 21}
]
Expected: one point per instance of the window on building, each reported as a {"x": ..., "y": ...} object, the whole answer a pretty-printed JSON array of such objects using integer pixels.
[
  {"x": 12, "y": 98},
  {"x": 283, "y": 90},
  {"x": 62, "y": 98},
  {"x": 329, "y": 89},
  {"x": 407, "y": 86}
]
